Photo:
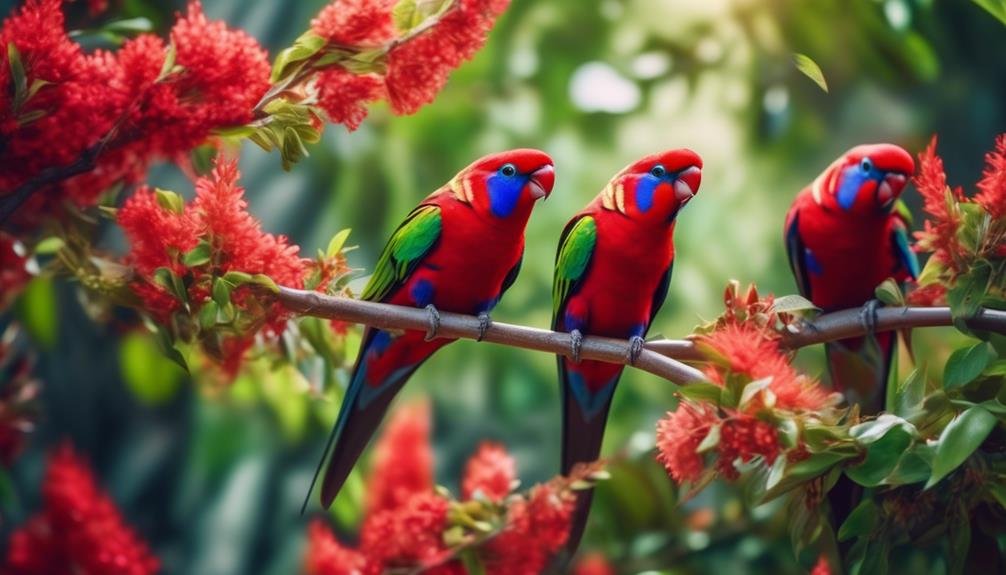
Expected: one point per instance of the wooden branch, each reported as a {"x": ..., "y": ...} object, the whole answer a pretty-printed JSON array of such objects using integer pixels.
[
  {"x": 660, "y": 357},
  {"x": 453, "y": 325},
  {"x": 849, "y": 323}
]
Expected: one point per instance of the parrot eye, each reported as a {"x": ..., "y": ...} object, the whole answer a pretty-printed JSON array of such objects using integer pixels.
[
  {"x": 508, "y": 170},
  {"x": 658, "y": 171},
  {"x": 866, "y": 165}
]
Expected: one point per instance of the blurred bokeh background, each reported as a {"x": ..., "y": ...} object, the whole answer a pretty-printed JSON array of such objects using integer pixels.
[{"x": 214, "y": 477}]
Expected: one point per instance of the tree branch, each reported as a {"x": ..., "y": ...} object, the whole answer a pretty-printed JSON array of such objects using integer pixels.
[
  {"x": 455, "y": 325},
  {"x": 659, "y": 357},
  {"x": 848, "y": 323}
]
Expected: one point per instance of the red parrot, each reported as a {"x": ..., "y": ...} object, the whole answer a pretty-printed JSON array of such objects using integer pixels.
[
  {"x": 844, "y": 238},
  {"x": 459, "y": 251},
  {"x": 612, "y": 271}
]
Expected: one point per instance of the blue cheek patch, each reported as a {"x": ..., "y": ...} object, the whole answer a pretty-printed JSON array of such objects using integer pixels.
[
  {"x": 504, "y": 192},
  {"x": 422, "y": 293},
  {"x": 852, "y": 180},
  {"x": 646, "y": 188}
]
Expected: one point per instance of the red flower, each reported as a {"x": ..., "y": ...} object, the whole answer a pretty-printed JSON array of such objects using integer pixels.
[
  {"x": 403, "y": 460},
  {"x": 992, "y": 187},
  {"x": 593, "y": 564},
  {"x": 491, "y": 472},
  {"x": 343, "y": 95},
  {"x": 419, "y": 68},
  {"x": 536, "y": 528},
  {"x": 79, "y": 532},
  {"x": 407, "y": 536},
  {"x": 749, "y": 350},
  {"x": 745, "y": 436},
  {"x": 928, "y": 296},
  {"x": 326, "y": 556},
  {"x": 355, "y": 22},
  {"x": 679, "y": 434},
  {"x": 821, "y": 567},
  {"x": 940, "y": 229},
  {"x": 159, "y": 238}
]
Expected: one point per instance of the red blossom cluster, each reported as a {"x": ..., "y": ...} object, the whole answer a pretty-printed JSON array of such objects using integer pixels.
[
  {"x": 744, "y": 356},
  {"x": 79, "y": 531},
  {"x": 218, "y": 223},
  {"x": 417, "y": 66},
  {"x": 593, "y": 564},
  {"x": 942, "y": 230},
  {"x": 73, "y": 100},
  {"x": 407, "y": 520}
]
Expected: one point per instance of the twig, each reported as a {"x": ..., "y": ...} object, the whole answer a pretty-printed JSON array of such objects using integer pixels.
[
  {"x": 659, "y": 357},
  {"x": 453, "y": 325}
]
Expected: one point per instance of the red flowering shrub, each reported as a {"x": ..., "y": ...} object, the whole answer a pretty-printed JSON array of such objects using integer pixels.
[
  {"x": 79, "y": 531},
  {"x": 403, "y": 460},
  {"x": 757, "y": 389},
  {"x": 965, "y": 235},
  {"x": 18, "y": 392},
  {"x": 356, "y": 22},
  {"x": 200, "y": 259},
  {"x": 409, "y": 525},
  {"x": 222, "y": 74},
  {"x": 593, "y": 564},
  {"x": 490, "y": 472}
]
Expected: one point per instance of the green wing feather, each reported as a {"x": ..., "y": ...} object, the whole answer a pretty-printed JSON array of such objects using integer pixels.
[
  {"x": 403, "y": 252},
  {"x": 903, "y": 250},
  {"x": 576, "y": 246}
]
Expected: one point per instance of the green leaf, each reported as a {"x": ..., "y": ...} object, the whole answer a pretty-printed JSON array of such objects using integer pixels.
[
  {"x": 711, "y": 440},
  {"x": 702, "y": 392},
  {"x": 129, "y": 26},
  {"x": 208, "y": 315},
  {"x": 870, "y": 431},
  {"x": 38, "y": 312},
  {"x": 171, "y": 282},
  {"x": 960, "y": 438},
  {"x": 793, "y": 303},
  {"x": 49, "y": 246},
  {"x": 966, "y": 297},
  {"x": 197, "y": 256},
  {"x": 966, "y": 364},
  {"x": 153, "y": 378},
  {"x": 809, "y": 68},
  {"x": 882, "y": 456},
  {"x": 911, "y": 468},
  {"x": 336, "y": 243},
  {"x": 222, "y": 291},
  {"x": 996, "y": 8},
  {"x": 17, "y": 73},
  {"x": 959, "y": 542},
  {"x": 407, "y": 14},
  {"x": 303, "y": 48},
  {"x": 167, "y": 345},
  {"x": 889, "y": 292},
  {"x": 168, "y": 67},
  {"x": 860, "y": 522},
  {"x": 169, "y": 200},
  {"x": 909, "y": 394},
  {"x": 752, "y": 389}
]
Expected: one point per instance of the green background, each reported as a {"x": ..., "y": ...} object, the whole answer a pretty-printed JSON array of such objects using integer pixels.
[{"x": 214, "y": 478}]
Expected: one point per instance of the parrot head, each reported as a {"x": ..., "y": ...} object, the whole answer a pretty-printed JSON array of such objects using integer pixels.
[
  {"x": 867, "y": 179},
  {"x": 655, "y": 187},
  {"x": 505, "y": 184}
]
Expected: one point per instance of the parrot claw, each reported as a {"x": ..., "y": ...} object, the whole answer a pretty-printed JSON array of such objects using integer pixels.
[
  {"x": 635, "y": 348},
  {"x": 575, "y": 344},
  {"x": 484, "y": 322},
  {"x": 868, "y": 315},
  {"x": 434, "y": 319}
]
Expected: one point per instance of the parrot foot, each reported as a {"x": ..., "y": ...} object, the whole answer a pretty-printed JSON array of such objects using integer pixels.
[
  {"x": 635, "y": 348},
  {"x": 868, "y": 315},
  {"x": 434, "y": 322},
  {"x": 484, "y": 322},
  {"x": 575, "y": 344}
]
